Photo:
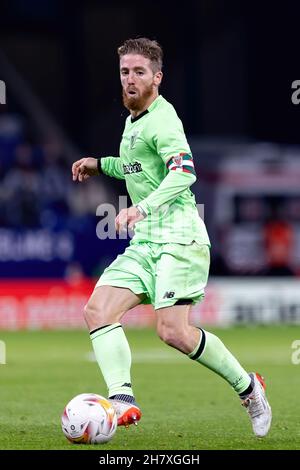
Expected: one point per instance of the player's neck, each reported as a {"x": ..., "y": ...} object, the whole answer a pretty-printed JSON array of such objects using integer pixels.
[{"x": 135, "y": 113}]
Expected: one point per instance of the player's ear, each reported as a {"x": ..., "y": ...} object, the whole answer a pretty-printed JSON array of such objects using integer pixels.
[{"x": 158, "y": 78}]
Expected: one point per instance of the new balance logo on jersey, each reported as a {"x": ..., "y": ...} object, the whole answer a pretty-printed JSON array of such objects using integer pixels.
[
  {"x": 169, "y": 295},
  {"x": 135, "y": 167}
]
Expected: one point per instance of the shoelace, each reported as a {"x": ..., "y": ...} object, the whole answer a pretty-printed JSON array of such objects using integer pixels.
[{"x": 254, "y": 405}]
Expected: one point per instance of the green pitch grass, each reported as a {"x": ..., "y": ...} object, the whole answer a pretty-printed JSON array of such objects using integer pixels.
[{"x": 185, "y": 406}]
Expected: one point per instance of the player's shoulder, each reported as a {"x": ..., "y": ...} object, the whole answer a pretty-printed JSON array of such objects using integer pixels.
[
  {"x": 165, "y": 106},
  {"x": 164, "y": 111}
]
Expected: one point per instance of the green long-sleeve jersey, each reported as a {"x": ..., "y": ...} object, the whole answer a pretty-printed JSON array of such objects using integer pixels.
[{"x": 157, "y": 165}]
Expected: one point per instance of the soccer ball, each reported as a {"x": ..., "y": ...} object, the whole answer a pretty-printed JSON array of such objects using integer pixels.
[{"x": 89, "y": 419}]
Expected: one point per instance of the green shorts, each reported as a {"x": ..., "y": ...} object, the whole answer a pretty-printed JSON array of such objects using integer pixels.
[{"x": 167, "y": 273}]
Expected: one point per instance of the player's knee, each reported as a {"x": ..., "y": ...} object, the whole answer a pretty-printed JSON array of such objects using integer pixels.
[
  {"x": 167, "y": 333},
  {"x": 94, "y": 314}
]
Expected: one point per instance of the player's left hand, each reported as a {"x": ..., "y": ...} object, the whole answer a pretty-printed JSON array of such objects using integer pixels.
[{"x": 127, "y": 217}]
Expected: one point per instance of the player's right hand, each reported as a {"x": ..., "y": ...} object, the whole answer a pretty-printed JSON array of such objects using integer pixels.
[{"x": 84, "y": 168}]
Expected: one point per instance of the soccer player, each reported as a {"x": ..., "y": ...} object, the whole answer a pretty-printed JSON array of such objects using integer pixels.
[{"x": 167, "y": 261}]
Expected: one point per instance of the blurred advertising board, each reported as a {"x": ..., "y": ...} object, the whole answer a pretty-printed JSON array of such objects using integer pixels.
[
  {"x": 45, "y": 253},
  {"x": 257, "y": 210},
  {"x": 58, "y": 304},
  {"x": 238, "y": 301}
]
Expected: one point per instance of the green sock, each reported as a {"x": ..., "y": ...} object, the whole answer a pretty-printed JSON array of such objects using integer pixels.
[
  {"x": 212, "y": 353},
  {"x": 114, "y": 358}
]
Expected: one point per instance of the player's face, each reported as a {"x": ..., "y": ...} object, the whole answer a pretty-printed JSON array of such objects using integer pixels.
[{"x": 139, "y": 82}]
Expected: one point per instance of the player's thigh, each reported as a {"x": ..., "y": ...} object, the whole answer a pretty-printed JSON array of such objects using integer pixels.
[
  {"x": 108, "y": 304},
  {"x": 132, "y": 270},
  {"x": 182, "y": 273}
]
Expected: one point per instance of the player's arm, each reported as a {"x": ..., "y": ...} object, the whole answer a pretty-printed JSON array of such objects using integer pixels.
[
  {"x": 111, "y": 166},
  {"x": 170, "y": 188},
  {"x": 172, "y": 185},
  {"x": 86, "y": 167},
  {"x": 171, "y": 145}
]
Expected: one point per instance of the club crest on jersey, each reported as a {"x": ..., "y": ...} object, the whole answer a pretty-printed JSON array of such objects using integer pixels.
[{"x": 133, "y": 138}]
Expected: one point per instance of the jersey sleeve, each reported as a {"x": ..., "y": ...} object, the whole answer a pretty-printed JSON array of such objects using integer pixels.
[
  {"x": 168, "y": 190},
  {"x": 172, "y": 146},
  {"x": 112, "y": 166}
]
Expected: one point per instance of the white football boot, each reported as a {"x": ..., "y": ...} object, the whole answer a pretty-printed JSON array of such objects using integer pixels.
[
  {"x": 127, "y": 413},
  {"x": 257, "y": 407}
]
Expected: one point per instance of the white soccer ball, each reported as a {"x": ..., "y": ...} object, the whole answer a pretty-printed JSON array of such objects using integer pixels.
[{"x": 89, "y": 419}]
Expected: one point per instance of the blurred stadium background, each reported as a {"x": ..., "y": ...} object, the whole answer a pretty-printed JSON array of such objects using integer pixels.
[{"x": 229, "y": 69}]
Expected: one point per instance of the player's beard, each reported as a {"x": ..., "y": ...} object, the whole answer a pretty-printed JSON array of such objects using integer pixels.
[{"x": 137, "y": 103}]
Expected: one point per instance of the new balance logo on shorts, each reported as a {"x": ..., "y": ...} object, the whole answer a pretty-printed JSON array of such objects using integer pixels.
[{"x": 169, "y": 295}]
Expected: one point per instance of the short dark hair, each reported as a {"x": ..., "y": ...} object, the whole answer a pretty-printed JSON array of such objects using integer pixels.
[{"x": 147, "y": 48}]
